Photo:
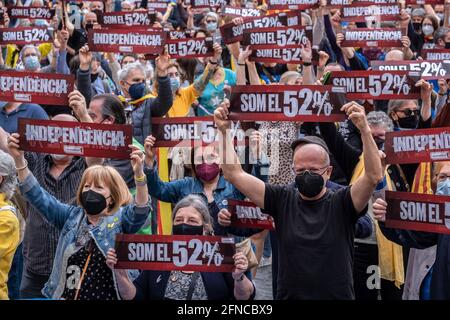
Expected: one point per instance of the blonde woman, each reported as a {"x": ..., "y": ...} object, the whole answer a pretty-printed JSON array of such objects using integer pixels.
[{"x": 105, "y": 208}]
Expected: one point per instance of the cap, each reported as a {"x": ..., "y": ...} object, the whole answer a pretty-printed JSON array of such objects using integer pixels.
[{"x": 308, "y": 140}]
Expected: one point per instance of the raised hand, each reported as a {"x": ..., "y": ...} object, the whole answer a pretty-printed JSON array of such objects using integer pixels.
[
  {"x": 357, "y": 115},
  {"x": 221, "y": 116},
  {"x": 149, "y": 151},
  {"x": 379, "y": 209},
  {"x": 137, "y": 161},
  {"x": 240, "y": 264},
  {"x": 162, "y": 63},
  {"x": 85, "y": 58}
]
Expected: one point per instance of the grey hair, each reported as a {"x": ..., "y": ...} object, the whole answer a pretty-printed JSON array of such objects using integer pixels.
[
  {"x": 124, "y": 73},
  {"x": 440, "y": 34},
  {"x": 394, "y": 105},
  {"x": 29, "y": 46},
  {"x": 8, "y": 171},
  {"x": 212, "y": 14},
  {"x": 198, "y": 204},
  {"x": 418, "y": 12},
  {"x": 380, "y": 118}
]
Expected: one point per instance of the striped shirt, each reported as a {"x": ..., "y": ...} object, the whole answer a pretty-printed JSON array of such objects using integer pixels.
[{"x": 41, "y": 237}]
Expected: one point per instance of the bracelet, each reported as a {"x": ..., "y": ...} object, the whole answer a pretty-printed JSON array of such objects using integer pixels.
[
  {"x": 140, "y": 179},
  {"x": 24, "y": 167},
  {"x": 241, "y": 64},
  {"x": 442, "y": 94},
  {"x": 307, "y": 64},
  {"x": 210, "y": 61},
  {"x": 141, "y": 183}
]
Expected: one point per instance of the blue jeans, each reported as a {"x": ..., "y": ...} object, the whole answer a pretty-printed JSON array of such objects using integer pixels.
[
  {"x": 15, "y": 275},
  {"x": 267, "y": 247}
]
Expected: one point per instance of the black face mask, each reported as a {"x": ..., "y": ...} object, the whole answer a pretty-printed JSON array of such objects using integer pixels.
[
  {"x": 380, "y": 143},
  {"x": 94, "y": 77},
  {"x": 447, "y": 45},
  {"x": 89, "y": 26},
  {"x": 93, "y": 202},
  {"x": 309, "y": 184},
  {"x": 187, "y": 230},
  {"x": 417, "y": 26},
  {"x": 410, "y": 122}
]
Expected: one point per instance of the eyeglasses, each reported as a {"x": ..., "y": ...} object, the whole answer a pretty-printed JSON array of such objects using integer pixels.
[
  {"x": 319, "y": 171},
  {"x": 409, "y": 112}
]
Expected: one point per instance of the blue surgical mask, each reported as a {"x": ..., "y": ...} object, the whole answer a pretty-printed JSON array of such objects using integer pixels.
[
  {"x": 212, "y": 26},
  {"x": 31, "y": 63},
  {"x": 443, "y": 187},
  {"x": 137, "y": 90},
  {"x": 175, "y": 84}
]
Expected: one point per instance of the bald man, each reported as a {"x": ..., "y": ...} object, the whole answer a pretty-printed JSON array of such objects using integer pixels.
[{"x": 315, "y": 225}]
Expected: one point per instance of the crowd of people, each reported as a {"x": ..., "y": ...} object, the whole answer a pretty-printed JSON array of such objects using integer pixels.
[{"x": 322, "y": 182}]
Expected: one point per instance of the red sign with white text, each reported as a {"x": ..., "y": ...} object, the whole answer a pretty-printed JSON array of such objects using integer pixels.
[
  {"x": 245, "y": 214},
  {"x": 380, "y": 37},
  {"x": 428, "y": 70},
  {"x": 435, "y": 54},
  {"x": 376, "y": 85},
  {"x": 124, "y": 41},
  {"x": 308, "y": 103},
  {"x": 34, "y": 87},
  {"x": 420, "y": 145},
  {"x": 279, "y": 37},
  {"x": 125, "y": 19},
  {"x": 76, "y": 138},
  {"x": 25, "y": 35},
  {"x": 361, "y": 11},
  {"x": 190, "y": 48},
  {"x": 418, "y": 212},
  {"x": 16, "y": 12},
  {"x": 168, "y": 253},
  {"x": 292, "y": 4}
]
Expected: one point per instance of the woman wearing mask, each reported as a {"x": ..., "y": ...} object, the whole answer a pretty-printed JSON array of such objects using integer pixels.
[
  {"x": 190, "y": 217},
  {"x": 105, "y": 208},
  {"x": 9, "y": 224},
  {"x": 421, "y": 33},
  {"x": 435, "y": 284},
  {"x": 207, "y": 182}
]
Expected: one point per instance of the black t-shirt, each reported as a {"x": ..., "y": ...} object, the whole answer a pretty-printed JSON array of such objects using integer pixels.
[{"x": 315, "y": 243}]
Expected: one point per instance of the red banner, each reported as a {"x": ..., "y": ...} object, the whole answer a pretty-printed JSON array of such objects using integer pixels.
[
  {"x": 362, "y": 11},
  {"x": 418, "y": 212},
  {"x": 428, "y": 70},
  {"x": 124, "y": 41},
  {"x": 76, "y": 138},
  {"x": 380, "y": 37},
  {"x": 420, "y": 145},
  {"x": 189, "y": 132},
  {"x": 376, "y": 85},
  {"x": 279, "y": 37},
  {"x": 232, "y": 33},
  {"x": 128, "y": 19},
  {"x": 432, "y": 2},
  {"x": 25, "y": 35},
  {"x": 435, "y": 54},
  {"x": 33, "y": 87},
  {"x": 292, "y": 4},
  {"x": 279, "y": 55},
  {"x": 205, "y": 3},
  {"x": 245, "y": 214},
  {"x": 308, "y": 103},
  {"x": 239, "y": 12},
  {"x": 190, "y": 48},
  {"x": 16, "y": 12},
  {"x": 160, "y": 6},
  {"x": 168, "y": 253}
]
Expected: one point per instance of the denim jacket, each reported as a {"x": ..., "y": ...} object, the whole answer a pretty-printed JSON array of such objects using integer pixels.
[{"x": 68, "y": 219}]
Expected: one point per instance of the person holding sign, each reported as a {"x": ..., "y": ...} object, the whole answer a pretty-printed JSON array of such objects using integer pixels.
[
  {"x": 315, "y": 225},
  {"x": 190, "y": 217},
  {"x": 435, "y": 285},
  {"x": 104, "y": 208}
]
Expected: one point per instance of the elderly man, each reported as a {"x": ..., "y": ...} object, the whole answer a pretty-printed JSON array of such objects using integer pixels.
[{"x": 315, "y": 225}]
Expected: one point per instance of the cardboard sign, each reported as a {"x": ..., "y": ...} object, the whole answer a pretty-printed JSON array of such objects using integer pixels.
[
  {"x": 364, "y": 10},
  {"x": 292, "y": 4},
  {"x": 113, "y": 40},
  {"x": 307, "y": 103},
  {"x": 16, "y": 12},
  {"x": 25, "y": 35},
  {"x": 75, "y": 138},
  {"x": 435, "y": 54},
  {"x": 232, "y": 33},
  {"x": 240, "y": 12},
  {"x": 205, "y": 3},
  {"x": 376, "y": 85},
  {"x": 428, "y": 70},
  {"x": 168, "y": 253},
  {"x": 420, "y": 145},
  {"x": 379, "y": 37},
  {"x": 190, "y": 48},
  {"x": 418, "y": 212},
  {"x": 245, "y": 214},
  {"x": 189, "y": 132},
  {"x": 279, "y": 37},
  {"x": 122, "y": 19},
  {"x": 33, "y": 87}
]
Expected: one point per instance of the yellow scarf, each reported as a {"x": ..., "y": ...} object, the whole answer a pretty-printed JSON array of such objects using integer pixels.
[
  {"x": 390, "y": 255},
  {"x": 138, "y": 101}
]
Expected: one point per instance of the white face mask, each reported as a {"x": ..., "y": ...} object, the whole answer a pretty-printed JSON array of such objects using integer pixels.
[
  {"x": 427, "y": 30},
  {"x": 59, "y": 157}
]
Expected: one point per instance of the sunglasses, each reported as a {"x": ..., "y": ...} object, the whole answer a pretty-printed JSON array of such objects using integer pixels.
[{"x": 409, "y": 112}]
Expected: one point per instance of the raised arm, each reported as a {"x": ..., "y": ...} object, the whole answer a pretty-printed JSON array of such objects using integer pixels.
[
  {"x": 250, "y": 186},
  {"x": 363, "y": 188},
  {"x": 163, "y": 102}
]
